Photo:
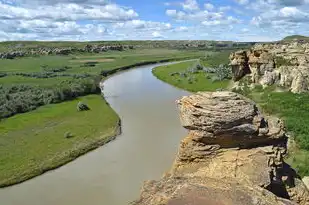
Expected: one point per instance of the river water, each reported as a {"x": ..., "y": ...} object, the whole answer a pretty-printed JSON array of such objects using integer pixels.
[{"x": 114, "y": 173}]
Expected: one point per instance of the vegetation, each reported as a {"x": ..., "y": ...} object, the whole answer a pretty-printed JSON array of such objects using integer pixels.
[
  {"x": 193, "y": 76},
  {"x": 280, "y": 61},
  {"x": 52, "y": 135},
  {"x": 46, "y": 90},
  {"x": 294, "y": 110},
  {"x": 214, "y": 59},
  {"x": 298, "y": 37},
  {"x": 28, "y": 83},
  {"x": 22, "y": 98}
]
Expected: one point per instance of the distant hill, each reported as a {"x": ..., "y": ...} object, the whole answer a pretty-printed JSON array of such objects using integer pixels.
[{"x": 296, "y": 37}]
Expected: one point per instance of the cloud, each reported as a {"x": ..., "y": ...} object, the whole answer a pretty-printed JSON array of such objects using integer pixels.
[
  {"x": 292, "y": 2},
  {"x": 209, "y": 6},
  {"x": 157, "y": 34},
  {"x": 190, "y": 5},
  {"x": 68, "y": 12},
  {"x": 225, "y": 8},
  {"x": 242, "y": 2},
  {"x": 245, "y": 30},
  {"x": 140, "y": 24},
  {"x": 182, "y": 28}
]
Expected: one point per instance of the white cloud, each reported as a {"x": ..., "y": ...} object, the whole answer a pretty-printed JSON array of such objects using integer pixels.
[
  {"x": 140, "y": 24},
  {"x": 157, "y": 34},
  {"x": 182, "y": 28},
  {"x": 190, "y": 5},
  {"x": 209, "y": 6},
  {"x": 69, "y": 12},
  {"x": 242, "y": 2},
  {"x": 245, "y": 30},
  {"x": 225, "y": 8}
]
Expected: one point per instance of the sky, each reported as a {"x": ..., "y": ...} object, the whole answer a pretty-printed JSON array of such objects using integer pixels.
[{"x": 89, "y": 20}]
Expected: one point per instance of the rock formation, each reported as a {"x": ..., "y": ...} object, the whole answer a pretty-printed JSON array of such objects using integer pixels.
[
  {"x": 232, "y": 155},
  {"x": 285, "y": 65}
]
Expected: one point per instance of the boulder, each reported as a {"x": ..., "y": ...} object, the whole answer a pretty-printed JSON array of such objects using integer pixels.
[
  {"x": 177, "y": 190},
  {"x": 232, "y": 155}
]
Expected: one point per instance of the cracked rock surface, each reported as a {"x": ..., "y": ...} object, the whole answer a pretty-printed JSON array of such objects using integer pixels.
[{"x": 232, "y": 155}]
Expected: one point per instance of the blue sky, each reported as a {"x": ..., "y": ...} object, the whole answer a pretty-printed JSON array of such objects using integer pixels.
[{"x": 237, "y": 20}]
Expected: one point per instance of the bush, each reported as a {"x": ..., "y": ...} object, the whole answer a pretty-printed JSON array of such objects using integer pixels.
[
  {"x": 223, "y": 72},
  {"x": 280, "y": 61},
  {"x": 82, "y": 107},
  {"x": 68, "y": 135},
  {"x": 3, "y": 75},
  {"x": 90, "y": 64},
  {"x": 55, "y": 70},
  {"x": 23, "y": 98}
]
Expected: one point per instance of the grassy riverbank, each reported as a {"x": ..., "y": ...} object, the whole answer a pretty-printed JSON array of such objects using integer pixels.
[
  {"x": 44, "y": 139},
  {"x": 179, "y": 75},
  {"x": 53, "y": 134}
]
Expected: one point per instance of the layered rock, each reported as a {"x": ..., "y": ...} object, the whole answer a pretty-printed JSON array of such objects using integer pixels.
[
  {"x": 232, "y": 151},
  {"x": 285, "y": 65}
]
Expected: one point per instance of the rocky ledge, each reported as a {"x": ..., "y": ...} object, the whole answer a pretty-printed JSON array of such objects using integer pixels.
[
  {"x": 285, "y": 65},
  {"x": 232, "y": 155}
]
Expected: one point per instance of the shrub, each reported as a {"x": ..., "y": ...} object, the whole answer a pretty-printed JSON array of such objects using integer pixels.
[
  {"x": 90, "y": 64},
  {"x": 23, "y": 98},
  {"x": 55, "y": 70},
  {"x": 280, "y": 61},
  {"x": 174, "y": 73},
  {"x": 223, "y": 72},
  {"x": 68, "y": 135},
  {"x": 82, "y": 107},
  {"x": 3, "y": 75}
]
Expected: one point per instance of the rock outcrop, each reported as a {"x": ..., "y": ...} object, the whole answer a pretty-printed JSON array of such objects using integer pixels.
[
  {"x": 285, "y": 65},
  {"x": 232, "y": 155}
]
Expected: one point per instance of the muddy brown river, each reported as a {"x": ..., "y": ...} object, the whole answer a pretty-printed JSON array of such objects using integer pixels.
[{"x": 114, "y": 173}]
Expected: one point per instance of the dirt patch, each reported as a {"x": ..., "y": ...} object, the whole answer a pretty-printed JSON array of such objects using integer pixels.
[{"x": 93, "y": 60}]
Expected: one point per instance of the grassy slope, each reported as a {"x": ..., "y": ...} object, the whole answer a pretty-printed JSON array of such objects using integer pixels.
[
  {"x": 201, "y": 82},
  {"x": 35, "y": 142},
  {"x": 294, "y": 110},
  {"x": 298, "y": 37}
]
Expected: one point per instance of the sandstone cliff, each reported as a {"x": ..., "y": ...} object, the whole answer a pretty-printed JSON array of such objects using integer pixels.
[
  {"x": 232, "y": 155},
  {"x": 285, "y": 65}
]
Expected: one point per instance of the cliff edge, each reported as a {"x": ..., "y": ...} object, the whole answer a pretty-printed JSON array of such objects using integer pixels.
[
  {"x": 232, "y": 155},
  {"x": 284, "y": 65}
]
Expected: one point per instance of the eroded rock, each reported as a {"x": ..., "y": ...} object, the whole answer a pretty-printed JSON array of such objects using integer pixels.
[
  {"x": 274, "y": 64},
  {"x": 232, "y": 155}
]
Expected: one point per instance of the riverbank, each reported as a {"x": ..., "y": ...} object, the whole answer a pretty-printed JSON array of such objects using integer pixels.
[
  {"x": 50, "y": 152},
  {"x": 53, "y": 135},
  {"x": 288, "y": 106},
  {"x": 178, "y": 76}
]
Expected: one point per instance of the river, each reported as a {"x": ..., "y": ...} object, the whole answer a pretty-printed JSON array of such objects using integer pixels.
[{"x": 114, "y": 173}]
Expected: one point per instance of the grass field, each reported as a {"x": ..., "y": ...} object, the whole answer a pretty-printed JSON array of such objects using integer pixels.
[
  {"x": 194, "y": 82},
  {"x": 34, "y": 142},
  {"x": 76, "y": 63}
]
